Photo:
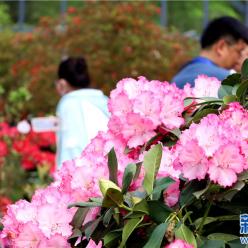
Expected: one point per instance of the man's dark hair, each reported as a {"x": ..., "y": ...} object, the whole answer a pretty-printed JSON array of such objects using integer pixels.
[
  {"x": 223, "y": 27},
  {"x": 75, "y": 72}
]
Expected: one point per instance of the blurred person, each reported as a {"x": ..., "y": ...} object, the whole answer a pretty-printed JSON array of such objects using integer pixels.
[
  {"x": 222, "y": 43},
  {"x": 81, "y": 111},
  {"x": 243, "y": 57}
]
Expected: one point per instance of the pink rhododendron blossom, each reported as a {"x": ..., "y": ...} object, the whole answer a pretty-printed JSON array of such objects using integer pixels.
[
  {"x": 30, "y": 236},
  {"x": 193, "y": 160},
  {"x": 207, "y": 134},
  {"x": 226, "y": 163},
  {"x": 92, "y": 244},
  {"x": 171, "y": 194},
  {"x": 236, "y": 117},
  {"x": 139, "y": 107},
  {"x": 166, "y": 166},
  {"x": 206, "y": 86},
  {"x": 178, "y": 243}
]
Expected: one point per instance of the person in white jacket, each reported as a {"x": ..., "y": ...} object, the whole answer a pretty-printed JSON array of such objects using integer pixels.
[{"x": 82, "y": 111}]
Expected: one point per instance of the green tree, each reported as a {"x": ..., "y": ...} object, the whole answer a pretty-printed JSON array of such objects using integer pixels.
[
  {"x": 189, "y": 15},
  {"x": 4, "y": 14}
]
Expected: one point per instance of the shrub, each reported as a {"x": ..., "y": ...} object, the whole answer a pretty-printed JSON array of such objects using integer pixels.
[{"x": 124, "y": 43}]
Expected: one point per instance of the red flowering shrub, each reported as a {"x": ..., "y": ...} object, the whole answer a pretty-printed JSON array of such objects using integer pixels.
[{"x": 26, "y": 161}]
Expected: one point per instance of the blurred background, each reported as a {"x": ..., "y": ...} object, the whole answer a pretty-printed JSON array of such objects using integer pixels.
[{"x": 118, "y": 39}]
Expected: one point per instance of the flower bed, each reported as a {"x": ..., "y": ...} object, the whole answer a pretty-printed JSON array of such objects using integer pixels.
[
  {"x": 171, "y": 171},
  {"x": 26, "y": 162}
]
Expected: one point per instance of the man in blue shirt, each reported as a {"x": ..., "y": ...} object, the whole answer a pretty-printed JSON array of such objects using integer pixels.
[{"x": 222, "y": 43}]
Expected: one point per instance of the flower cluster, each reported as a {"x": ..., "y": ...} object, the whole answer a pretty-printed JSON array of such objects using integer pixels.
[
  {"x": 215, "y": 147},
  {"x": 32, "y": 148},
  {"x": 140, "y": 107}
]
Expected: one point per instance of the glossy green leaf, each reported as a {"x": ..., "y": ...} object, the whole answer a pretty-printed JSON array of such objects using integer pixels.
[
  {"x": 159, "y": 212},
  {"x": 112, "y": 166},
  {"x": 106, "y": 184},
  {"x": 222, "y": 236},
  {"x": 152, "y": 161},
  {"x": 129, "y": 227},
  {"x": 186, "y": 196},
  {"x": 229, "y": 98},
  {"x": 236, "y": 243},
  {"x": 142, "y": 207},
  {"x": 75, "y": 234},
  {"x": 243, "y": 175},
  {"x": 79, "y": 217},
  {"x": 160, "y": 185},
  {"x": 157, "y": 236},
  {"x": 232, "y": 79},
  {"x": 91, "y": 227},
  {"x": 213, "y": 244},
  {"x": 112, "y": 198},
  {"x": 224, "y": 90},
  {"x": 85, "y": 204},
  {"x": 111, "y": 239},
  {"x": 107, "y": 216},
  {"x": 128, "y": 176},
  {"x": 184, "y": 233},
  {"x": 244, "y": 70}
]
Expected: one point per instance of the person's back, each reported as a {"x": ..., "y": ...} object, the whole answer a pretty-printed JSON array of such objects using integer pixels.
[
  {"x": 82, "y": 111},
  {"x": 190, "y": 72},
  {"x": 222, "y": 43}
]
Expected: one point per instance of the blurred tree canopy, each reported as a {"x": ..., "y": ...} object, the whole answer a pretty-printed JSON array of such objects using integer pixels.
[
  {"x": 189, "y": 15},
  {"x": 191, "y": 11},
  {"x": 5, "y": 18}
]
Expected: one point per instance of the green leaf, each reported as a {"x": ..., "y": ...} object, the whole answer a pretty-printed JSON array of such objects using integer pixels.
[
  {"x": 91, "y": 227},
  {"x": 242, "y": 91},
  {"x": 232, "y": 79},
  {"x": 200, "y": 114},
  {"x": 75, "y": 234},
  {"x": 243, "y": 176},
  {"x": 222, "y": 236},
  {"x": 229, "y": 98},
  {"x": 207, "y": 220},
  {"x": 129, "y": 227},
  {"x": 244, "y": 70},
  {"x": 113, "y": 166},
  {"x": 157, "y": 236},
  {"x": 184, "y": 233},
  {"x": 160, "y": 185},
  {"x": 236, "y": 243},
  {"x": 85, "y": 204},
  {"x": 142, "y": 207},
  {"x": 186, "y": 196},
  {"x": 213, "y": 244},
  {"x": 79, "y": 217},
  {"x": 188, "y": 101},
  {"x": 113, "y": 198},
  {"x": 128, "y": 176},
  {"x": 152, "y": 161},
  {"x": 224, "y": 90},
  {"x": 111, "y": 239},
  {"x": 96, "y": 199},
  {"x": 199, "y": 193},
  {"x": 107, "y": 216},
  {"x": 106, "y": 184},
  {"x": 159, "y": 212}
]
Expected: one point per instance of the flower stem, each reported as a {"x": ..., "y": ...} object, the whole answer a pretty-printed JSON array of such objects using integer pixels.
[{"x": 205, "y": 216}]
